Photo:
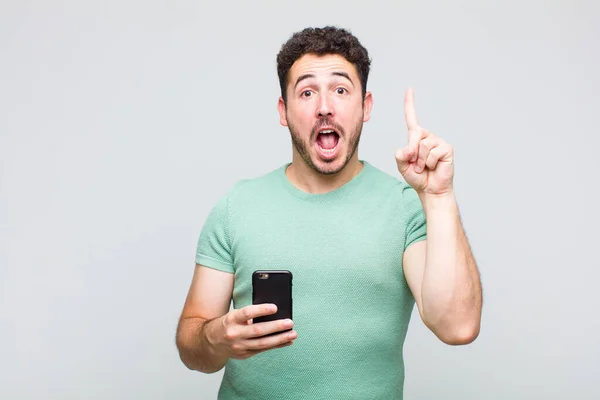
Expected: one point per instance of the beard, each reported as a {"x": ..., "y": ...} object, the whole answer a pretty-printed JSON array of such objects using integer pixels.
[{"x": 303, "y": 146}]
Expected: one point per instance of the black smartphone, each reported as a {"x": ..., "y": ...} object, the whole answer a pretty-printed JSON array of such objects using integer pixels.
[{"x": 274, "y": 287}]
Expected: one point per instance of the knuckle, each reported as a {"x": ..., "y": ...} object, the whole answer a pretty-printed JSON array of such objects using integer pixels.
[
  {"x": 255, "y": 329},
  {"x": 230, "y": 334},
  {"x": 262, "y": 344},
  {"x": 237, "y": 348}
]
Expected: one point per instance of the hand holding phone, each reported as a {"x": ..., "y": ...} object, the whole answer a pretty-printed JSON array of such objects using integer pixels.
[
  {"x": 264, "y": 325},
  {"x": 240, "y": 339}
]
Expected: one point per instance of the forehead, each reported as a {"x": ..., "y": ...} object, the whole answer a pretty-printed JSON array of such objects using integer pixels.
[{"x": 321, "y": 65}]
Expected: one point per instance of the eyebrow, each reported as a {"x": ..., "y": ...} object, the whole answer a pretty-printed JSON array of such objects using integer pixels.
[{"x": 335, "y": 73}]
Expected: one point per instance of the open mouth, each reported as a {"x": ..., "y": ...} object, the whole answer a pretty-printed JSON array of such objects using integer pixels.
[{"x": 327, "y": 142}]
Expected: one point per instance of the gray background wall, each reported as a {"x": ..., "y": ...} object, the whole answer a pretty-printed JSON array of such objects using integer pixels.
[{"x": 121, "y": 123}]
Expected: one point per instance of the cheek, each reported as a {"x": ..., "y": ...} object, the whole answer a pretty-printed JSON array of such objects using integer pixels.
[
  {"x": 349, "y": 109},
  {"x": 350, "y": 116},
  {"x": 300, "y": 117}
]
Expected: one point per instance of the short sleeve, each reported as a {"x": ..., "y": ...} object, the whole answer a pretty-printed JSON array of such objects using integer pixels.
[
  {"x": 214, "y": 244},
  {"x": 416, "y": 226}
]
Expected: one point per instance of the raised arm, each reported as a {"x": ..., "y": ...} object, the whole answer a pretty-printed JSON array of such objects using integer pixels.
[
  {"x": 441, "y": 270},
  {"x": 443, "y": 276}
]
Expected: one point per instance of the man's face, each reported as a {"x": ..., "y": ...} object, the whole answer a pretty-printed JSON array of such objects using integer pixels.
[{"x": 325, "y": 111}]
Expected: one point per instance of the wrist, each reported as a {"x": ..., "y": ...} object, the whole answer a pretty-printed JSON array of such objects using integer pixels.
[
  {"x": 210, "y": 332},
  {"x": 434, "y": 202},
  {"x": 208, "y": 350}
]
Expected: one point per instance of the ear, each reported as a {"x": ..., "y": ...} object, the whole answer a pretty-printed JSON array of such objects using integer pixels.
[
  {"x": 281, "y": 109},
  {"x": 367, "y": 106}
]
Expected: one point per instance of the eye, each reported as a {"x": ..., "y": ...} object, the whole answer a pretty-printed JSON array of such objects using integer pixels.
[
  {"x": 306, "y": 93},
  {"x": 340, "y": 90}
]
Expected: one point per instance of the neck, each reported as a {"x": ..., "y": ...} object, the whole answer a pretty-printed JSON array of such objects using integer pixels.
[{"x": 308, "y": 180}]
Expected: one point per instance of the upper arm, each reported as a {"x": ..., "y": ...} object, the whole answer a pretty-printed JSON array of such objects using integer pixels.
[
  {"x": 415, "y": 254},
  {"x": 413, "y": 265},
  {"x": 209, "y": 295}
]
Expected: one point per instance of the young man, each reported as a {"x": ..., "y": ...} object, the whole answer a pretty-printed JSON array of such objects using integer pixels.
[{"x": 355, "y": 239}]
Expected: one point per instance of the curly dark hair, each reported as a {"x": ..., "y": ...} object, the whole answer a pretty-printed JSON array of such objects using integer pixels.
[{"x": 322, "y": 41}]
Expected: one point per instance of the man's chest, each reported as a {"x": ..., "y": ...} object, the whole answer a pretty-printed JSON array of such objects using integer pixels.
[{"x": 362, "y": 248}]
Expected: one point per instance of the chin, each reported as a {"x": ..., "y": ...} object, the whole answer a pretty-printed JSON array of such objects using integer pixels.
[{"x": 328, "y": 167}]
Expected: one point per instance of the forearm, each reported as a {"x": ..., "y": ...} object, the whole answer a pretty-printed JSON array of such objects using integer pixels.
[
  {"x": 451, "y": 290},
  {"x": 196, "y": 348}
]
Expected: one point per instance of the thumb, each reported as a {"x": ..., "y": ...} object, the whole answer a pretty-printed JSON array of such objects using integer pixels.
[{"x": 403, "y": 157}]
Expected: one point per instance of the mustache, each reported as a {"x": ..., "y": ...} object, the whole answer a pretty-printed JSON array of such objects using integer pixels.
[{"x": 326, "y": 122}]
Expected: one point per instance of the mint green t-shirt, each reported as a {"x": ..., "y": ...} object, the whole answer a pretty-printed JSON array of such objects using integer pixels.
[{"x": 352, "y": 304}]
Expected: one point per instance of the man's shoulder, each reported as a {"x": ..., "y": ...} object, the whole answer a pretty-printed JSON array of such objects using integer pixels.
[
  {"x": 250, "y": 187},
  {"x": 386, "y": 182}
]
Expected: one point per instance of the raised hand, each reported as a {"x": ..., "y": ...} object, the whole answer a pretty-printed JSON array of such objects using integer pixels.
[{"x": 427, "y": 162}]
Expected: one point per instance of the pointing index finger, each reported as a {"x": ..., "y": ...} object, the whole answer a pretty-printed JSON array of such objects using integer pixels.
[{"x": 409, "y": 110}]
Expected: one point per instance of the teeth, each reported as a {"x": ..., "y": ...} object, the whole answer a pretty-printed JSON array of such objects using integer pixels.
[
  {"x": 327, "y": 131},
  {"x": 328, "y": 151}
]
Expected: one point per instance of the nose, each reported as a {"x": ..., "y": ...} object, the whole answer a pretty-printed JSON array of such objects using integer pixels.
[{"x": 324, "y": 106}]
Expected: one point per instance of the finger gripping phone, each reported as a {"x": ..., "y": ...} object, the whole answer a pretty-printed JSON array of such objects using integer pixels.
[{"x": 273, "y": 287}]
